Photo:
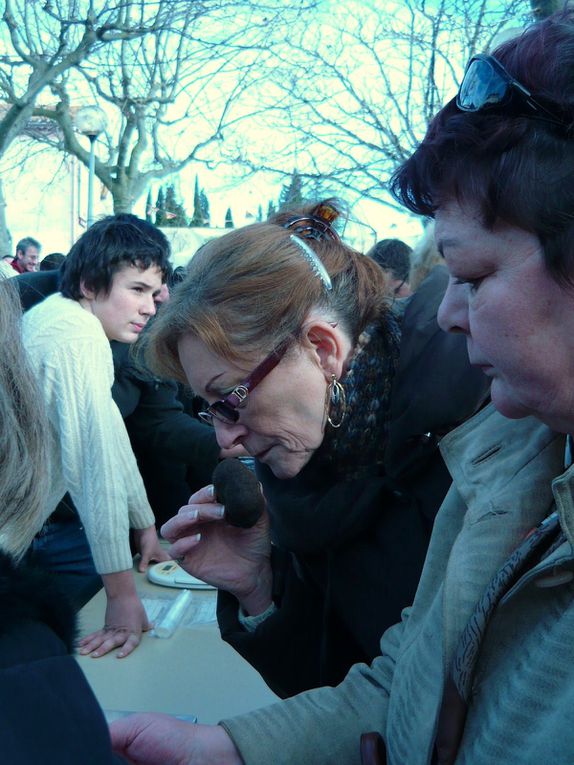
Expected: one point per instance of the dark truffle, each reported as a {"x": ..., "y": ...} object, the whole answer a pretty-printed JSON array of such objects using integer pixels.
[{"x": 237, "y": 488}]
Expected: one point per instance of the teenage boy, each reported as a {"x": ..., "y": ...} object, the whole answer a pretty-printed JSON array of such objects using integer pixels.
[{"x": 109, "y": 283}]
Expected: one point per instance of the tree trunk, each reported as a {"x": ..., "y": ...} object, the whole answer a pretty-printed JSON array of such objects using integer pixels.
[
  {"x": 126, "y": 191},
  {"x": 5, "y": 237},
  {"x": 123, "y": 200}
]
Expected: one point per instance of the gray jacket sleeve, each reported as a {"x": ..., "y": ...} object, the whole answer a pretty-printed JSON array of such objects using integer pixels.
[{"x": 322, "y": 726}]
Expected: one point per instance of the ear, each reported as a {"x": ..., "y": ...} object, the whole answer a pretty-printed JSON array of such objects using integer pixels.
[
  {"x": 86, "y": 293},
  {"x": 329, "y": 344}
]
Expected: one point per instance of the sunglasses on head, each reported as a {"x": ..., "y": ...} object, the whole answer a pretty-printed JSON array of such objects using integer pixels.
[
  {"x": 487, "y": 85},
  {"x": 225, "y": 410}
]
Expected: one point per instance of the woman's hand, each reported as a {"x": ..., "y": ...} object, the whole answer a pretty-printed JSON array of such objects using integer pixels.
[
  {"x": 154, "y": 739},
  {"x": 125, "y": 619},
  {"x": 232, "y": 559},
  {"x": 148, "y": 545}
]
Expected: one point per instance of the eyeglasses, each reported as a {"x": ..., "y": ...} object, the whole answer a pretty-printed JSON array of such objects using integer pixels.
[
  {"x": 398, "y": 288},
  {"x": 486, "y": 85},
  {"x": 225, "y": 410}
]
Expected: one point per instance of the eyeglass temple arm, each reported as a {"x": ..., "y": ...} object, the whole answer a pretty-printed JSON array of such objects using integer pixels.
[{"x": 240, "y": 393}]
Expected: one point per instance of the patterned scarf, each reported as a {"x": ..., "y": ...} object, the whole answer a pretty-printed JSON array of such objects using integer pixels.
[{"x": 357, "y": 448}]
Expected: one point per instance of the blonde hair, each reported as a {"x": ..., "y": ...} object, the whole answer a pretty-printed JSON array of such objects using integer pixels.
[
  {"x": 425, "y": 257},
  {"x": 248, "y": 290},
  {"x": 23, "y": 426}
]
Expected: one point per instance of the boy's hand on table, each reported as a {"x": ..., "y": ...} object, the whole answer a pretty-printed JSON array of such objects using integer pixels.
[{"x": 125, "y": 619}]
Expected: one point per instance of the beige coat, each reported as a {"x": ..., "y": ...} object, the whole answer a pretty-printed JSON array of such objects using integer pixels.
[{"x": 522, "y": 710}]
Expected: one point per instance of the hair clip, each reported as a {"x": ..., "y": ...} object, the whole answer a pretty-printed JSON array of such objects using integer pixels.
[
  {"x": 317, "y": 226},
  {"x": 326, "y": 212},
  {"x": 313, "y": 259}
]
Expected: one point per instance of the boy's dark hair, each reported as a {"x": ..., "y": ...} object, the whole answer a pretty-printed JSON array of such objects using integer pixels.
[
  {"x": 108, "y": 246},
  {"x": 393, "y": 255}
]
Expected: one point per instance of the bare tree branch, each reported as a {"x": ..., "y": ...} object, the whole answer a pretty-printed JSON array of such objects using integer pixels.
[
  {"x": 173, "y": 93},
  {"x": 43, "y": 42},
  {"x": 351, "y": 95}
]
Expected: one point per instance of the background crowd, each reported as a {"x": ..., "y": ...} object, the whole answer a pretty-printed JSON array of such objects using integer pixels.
[{"x": 408, "y": 414}]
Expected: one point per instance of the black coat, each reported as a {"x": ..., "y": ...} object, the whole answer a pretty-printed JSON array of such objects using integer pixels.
[
  {"x": 49, "y": 714},
  {"x": 176, "y": 453},
  {"x": 348, "y": 554}
]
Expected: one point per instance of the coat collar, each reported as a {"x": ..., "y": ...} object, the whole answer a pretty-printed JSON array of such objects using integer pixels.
[{"x": 489, "y": 452}]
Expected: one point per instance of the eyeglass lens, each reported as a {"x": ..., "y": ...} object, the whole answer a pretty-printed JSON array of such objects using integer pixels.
[{"x": 221, "y": 411}]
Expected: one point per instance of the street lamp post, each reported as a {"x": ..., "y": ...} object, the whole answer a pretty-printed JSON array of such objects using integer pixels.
[{"x": 91, "y": 121}]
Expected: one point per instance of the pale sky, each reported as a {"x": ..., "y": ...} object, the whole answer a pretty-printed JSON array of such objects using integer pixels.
[{"x": 42, "y": 203}]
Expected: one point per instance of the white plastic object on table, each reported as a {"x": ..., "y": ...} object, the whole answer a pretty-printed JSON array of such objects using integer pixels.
[{"x": 174, "y": 615}]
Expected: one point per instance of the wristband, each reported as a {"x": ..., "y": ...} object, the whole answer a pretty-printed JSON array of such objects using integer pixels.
[{"x": 250, "y": 623}]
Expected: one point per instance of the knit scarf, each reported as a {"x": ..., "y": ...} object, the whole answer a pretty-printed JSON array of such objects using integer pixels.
[{"x": 356, "y": 449}]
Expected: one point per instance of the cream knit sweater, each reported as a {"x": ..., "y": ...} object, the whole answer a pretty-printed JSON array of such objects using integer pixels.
[{"x": 92, "y": 455}]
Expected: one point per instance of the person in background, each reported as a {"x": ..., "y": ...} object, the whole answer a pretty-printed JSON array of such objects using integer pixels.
[
  {"x": 52, "y": 261},
  {"x": 394, "y": 257},
  {"x": 178, "y": 275},
  {"x": 425, "y": 256},
  {"x": 176, "y": 453},
  {"x": 41, "y": 683},
  {"x": 6, "y": 270},
  {"x": 27, "y": 255},
  {"x": 107, "y": 292},
  {"x": 481, "y": 668}
]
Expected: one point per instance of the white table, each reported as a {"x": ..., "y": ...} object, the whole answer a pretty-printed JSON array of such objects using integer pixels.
[{"x": 192, "y": 673}]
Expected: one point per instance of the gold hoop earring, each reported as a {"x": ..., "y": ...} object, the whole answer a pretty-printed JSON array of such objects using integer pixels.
[{"x": 337, "y": 402}]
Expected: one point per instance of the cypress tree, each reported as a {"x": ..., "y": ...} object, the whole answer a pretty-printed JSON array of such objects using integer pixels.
[
  {"x": 197, "y": 217},
  {"x": 160, "y": 204},
  {"x": 148, "y": 207},
  {"x": 204, "y": 204},
  {"x": 175, "y": 214},
  {"x": 292, "y": 193}
]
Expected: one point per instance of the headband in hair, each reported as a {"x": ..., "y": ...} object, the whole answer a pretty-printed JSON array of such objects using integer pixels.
[{"x": 313, "y": 259}]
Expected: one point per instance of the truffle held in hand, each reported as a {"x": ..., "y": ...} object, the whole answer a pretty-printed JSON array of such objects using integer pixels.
[{"x": 237, "y": 488}]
